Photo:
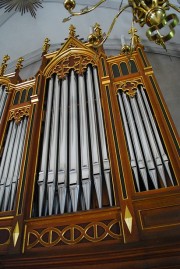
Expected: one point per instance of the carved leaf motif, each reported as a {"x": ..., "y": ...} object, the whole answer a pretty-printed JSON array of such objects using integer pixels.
[
  {"x": 19, "y": 113},
  {"x": 77, "y": 63}
]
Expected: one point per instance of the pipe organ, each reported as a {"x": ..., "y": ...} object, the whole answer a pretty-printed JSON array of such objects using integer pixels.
[{"x": 89, "y": 164}]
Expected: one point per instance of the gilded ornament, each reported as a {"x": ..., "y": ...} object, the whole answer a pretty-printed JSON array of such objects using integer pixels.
[
  {"x": 46, "y": 45},
  {"x": 129, "y": 87},
  {"x": 18, "y": 113},
  {"x": 19, "y": 63},
  {"x": 4, "y": 65}
]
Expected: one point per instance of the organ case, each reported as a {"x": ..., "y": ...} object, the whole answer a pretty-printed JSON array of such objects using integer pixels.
[{"x": 93, "y": 166}]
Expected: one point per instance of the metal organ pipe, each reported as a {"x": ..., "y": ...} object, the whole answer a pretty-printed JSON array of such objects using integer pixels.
[
  {"x": 130, "y": 146},
  {"x": 136, "y": 142},
  {"x": 12, "y": 167},
  {"x": 3, "y": 97},
  {"x": 53, "y": 151},
  {"x": 71, "y": 146},
  {"x": 43, "y": 169},
  {"x": 144, "y": 142},
  {"x": 84, "y": 145},
  {"x": 94, "y": 138},
  {"x": 158, "y": 139},
  {"x": 138, "y": 121},
  {"x": 151, "y": 138},
  {"x": 16, "y": 173},
  {"x": 62, "y": 154},
  {"x": 106, "y": 163},
  {"x": 10, "y": 163}
]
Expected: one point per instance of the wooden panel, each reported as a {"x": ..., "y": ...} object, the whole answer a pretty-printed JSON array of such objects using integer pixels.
[{"x": 160, "y": 217}]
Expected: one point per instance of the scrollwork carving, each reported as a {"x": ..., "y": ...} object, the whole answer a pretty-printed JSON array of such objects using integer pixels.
[
  {"x": 129, "y": 87},
  {"x": 18, "y": 113},
  {"x": 78, "y": 63}
]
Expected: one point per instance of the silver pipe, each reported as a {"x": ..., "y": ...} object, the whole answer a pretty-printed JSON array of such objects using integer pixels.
[
  {"x": 43, "y": 169},
  {"x": 129, "y": 142},
  {"x": 136, "y": 142},
  {"x": 73, "y": 144},
  {"x": 144, "y": 143},
  {"x": 84, "y": 145},
  {"x": 151, "y": 138},
  {"x": 157, "y": 136},
  {"x": 12, "y": 167},
  {"x": 2, "y": 101},
  {"x": 52, "y": 166},
  {"x": 7, "y": 160},
  {"x": 62, "y": 155},
  {"x": 94, "y": 139},
  {"x": 17, "y": 169},
  {"x": 106, "y": 163}
]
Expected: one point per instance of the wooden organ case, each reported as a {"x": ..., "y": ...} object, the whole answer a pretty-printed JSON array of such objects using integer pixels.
[{"x": 89, "y": 168}]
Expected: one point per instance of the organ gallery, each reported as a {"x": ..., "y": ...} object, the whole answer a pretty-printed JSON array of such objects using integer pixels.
[{"x": 89, "y": 164}]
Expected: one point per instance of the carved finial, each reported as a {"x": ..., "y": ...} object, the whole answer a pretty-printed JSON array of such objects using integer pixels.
[
  {"x": 135, "y": 39},
  {"x": 98, "y": 30},
  {"x": 72, "y": 30},
  {"x": 4, "y": 65},
  {"x": 46, "y": 45},
  {"x": 19, "y": 63}
]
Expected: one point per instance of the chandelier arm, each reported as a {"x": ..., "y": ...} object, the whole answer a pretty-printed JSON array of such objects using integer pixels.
[
  {"x": 111, "y": 26},
  {"x": 174, "y": 7},
  {"x": 86, "y": 10}
]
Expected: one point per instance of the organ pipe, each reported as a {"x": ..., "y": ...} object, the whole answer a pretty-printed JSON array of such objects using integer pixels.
[
  {"x": 10, "y": 163},
  {"x": 72, "y": 147},
  {"x": 94, "y": 139},
  {"x": 85, "y": 165},
  {"x": 62, "y": 154},
  {"x": 73, "y": 144},
  {"x": 45, "y": 148},
  {"x": 136, "y": 142}
]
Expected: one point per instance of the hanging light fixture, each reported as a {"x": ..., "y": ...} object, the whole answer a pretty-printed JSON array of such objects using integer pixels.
[
  {"x": 22, "y": 6},
  {"x": 151, "y": 13}
]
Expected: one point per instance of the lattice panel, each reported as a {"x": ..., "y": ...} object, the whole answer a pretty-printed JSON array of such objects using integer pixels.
[{"x": 73, "y": 234}]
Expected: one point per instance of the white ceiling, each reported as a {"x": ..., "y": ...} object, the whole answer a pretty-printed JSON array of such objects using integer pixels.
[{"x": 23, "y": 35}]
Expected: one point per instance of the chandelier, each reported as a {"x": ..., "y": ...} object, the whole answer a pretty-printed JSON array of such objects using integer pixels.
[
  {"x": 22, "y": 6},
  {"x": 151, "y": 13}
]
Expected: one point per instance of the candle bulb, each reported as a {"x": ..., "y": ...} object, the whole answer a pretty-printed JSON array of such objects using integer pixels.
[{"x": 122, "y": 40}]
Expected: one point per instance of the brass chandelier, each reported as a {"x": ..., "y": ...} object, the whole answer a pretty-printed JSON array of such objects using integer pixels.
[{"x": 151, "y": 13}]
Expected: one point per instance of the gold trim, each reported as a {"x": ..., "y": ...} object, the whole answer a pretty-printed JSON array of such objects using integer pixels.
[
  {"x": 105, "y": 81},
  {"x": 16, "y": 234},
  {"x": 72, "y": 229},
  {"x": 34, "y": 99},
  {"x": 5, "y": 218},
  {"x": 115, "y": 145},
  {"x": 128, "y": 219}
]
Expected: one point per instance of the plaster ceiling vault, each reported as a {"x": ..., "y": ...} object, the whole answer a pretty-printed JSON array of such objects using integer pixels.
[
  {"x": 21, "y": 35},
  {"x": 24, "y": 35}
]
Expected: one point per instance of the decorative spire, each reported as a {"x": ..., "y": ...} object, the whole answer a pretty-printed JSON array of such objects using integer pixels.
[
  {"x": 46, "y": 45},
  {"x": 19, "y": 63},
  {"x": 98, "y": 30},
  {"x": 72, "y": 30},
  {"x": 4, "y": 64},
  {"x": 135, "y": 39}
]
